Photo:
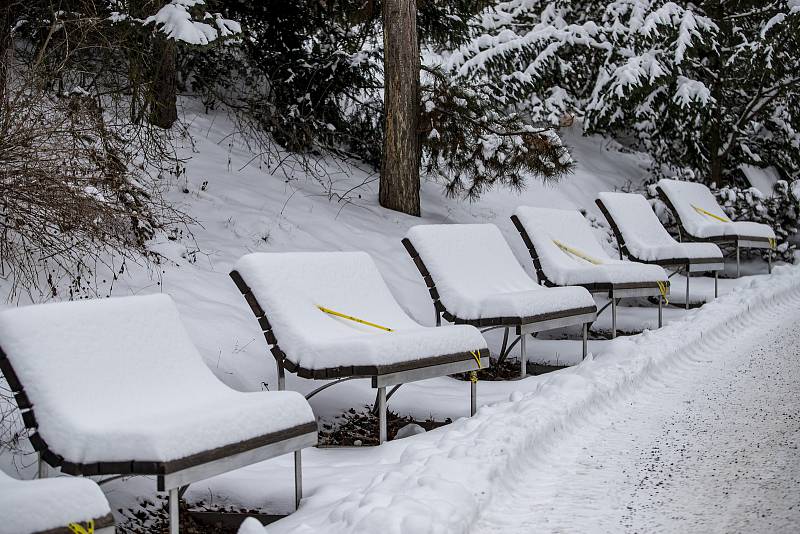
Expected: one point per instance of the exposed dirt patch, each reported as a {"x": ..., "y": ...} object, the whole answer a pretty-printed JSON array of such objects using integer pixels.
[
  {"x": 152, "y": 517},
  {"x": 355, "y": 428},
  {"x": 508, "y": 370}
]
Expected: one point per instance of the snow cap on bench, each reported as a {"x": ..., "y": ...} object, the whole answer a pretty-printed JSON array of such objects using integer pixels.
[
  {"x": 29, "y": 506},
  {"x": 119, "y": 380},
  {"x": 477, "y": 275},
  {"x": 702, "y": 217},
  {"x": 554, "y": 232},
  {"x": 290, "y": 287},
  {"x": 644, "y": 235}
]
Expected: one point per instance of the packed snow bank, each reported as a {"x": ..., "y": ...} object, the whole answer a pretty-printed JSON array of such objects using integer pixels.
[
  {"x": 440, "y": 480},
  {"x": 702, "y": 217},
  {"x": 28, "y": 506},
  {"x": 120, "y": 380},
  {"x": 477, "y": 275},
  {"x": 645, "y": 237},
  {"x": 291, "y": 288},
  {"x": 570, "y": 254}
]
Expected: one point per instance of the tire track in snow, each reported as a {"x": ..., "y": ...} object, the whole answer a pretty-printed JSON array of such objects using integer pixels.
[{"x": 706, "y": 444}]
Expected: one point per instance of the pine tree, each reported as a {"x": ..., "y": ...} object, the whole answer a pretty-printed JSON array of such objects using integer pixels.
[{"x": 703, "y": 87}]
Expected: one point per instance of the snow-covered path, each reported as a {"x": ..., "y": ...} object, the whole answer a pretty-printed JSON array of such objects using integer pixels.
[{"x": 708, "y": 445}]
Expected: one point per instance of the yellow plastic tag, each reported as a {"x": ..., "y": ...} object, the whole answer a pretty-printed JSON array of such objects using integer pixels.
[
  {"x": 701, "y": 211},
  {"x": 575, "y": 252},
  {"x": 77, "y": 528},
  {"x": 354, "y": 319}
]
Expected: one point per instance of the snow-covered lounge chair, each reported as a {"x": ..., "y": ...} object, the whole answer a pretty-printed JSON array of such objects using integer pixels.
[
  {"x": 331, "y": 316},
  {"x": 566, "y": 253},
  {"x": 700, "y": 218},
  {"x": 51, "y": 505},
  {"x": 475, "y": 279},
  {"x": 116, "y": 387},
  {"x": 642, "y": 238}
]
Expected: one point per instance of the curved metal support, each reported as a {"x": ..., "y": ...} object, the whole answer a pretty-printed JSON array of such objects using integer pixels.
[
  {"x": 330, "y": 384},
  {"x": 508, "y": 350},
  {"x": 505, "y": 342},
  {"x": 388, "y": 396},
  {"x": 490, "y": 328},
  {"x": 601, "y": 310},
  {"x": 391, "y": 392}
]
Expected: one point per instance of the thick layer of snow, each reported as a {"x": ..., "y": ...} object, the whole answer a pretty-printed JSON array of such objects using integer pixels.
[
  {"x": 28, "y": 506},
  {"x": 546, "y": 227},
  {"x": 645, "y": 236},
  {"x": 175, "y": 20},
  {"x": 119, "y": 379},
  {"x": 291, "y": 287},
  {"x": 689, "y": 198},
  {"x": 477, "y": 275},
  {"x": 444, "y": 480}
]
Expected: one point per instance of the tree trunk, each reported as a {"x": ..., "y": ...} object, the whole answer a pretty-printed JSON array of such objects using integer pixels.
[
  {"x": 399, "y": 183},
  {"x": 164, "y": 88},
  {"x": 717, "y": 85}
]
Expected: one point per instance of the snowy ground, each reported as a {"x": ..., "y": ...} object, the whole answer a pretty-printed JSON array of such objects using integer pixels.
[
  {"x": 250, "y": 207},
  {"x": 708, "y": 445}
]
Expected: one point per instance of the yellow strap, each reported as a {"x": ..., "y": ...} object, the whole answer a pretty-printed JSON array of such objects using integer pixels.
[
  {"x": 575, "y": 252},
  {"x": 773, "y": 243},
  {"x": 701, "y": 211},
  {"x": 662, "y": 287},
  {"x": 475, "y": 354},
  {"x": 354, "y": 319},
  {"x": 77, "y": 528}
]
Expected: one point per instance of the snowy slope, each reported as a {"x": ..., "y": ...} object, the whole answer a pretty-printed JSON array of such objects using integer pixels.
[{"x": 247, "y": 206}]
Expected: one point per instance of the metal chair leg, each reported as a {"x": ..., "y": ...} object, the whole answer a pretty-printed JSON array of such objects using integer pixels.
[
  {"x": 438, "y": 318},
  {"x": 523, "y": 356},
  {"x": 660, "y": 311},
  {"x": 281, "y": 376},
  {"x": 716, "y": 284},
  {"x": 473, "y": 397},
  {"x": 769, "y": 261},
  {"x": 298, "y": 479},
  {"x": 585, "y": 339},
  {"x": 174, "y": 520},
  {"x": 688, "y": 276},
  {"x": 613, "y": 315},
  {"x": 738, "y": 262},
  {"x": 41, "y": 467},
  {"x": 382, "y": 430}
]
